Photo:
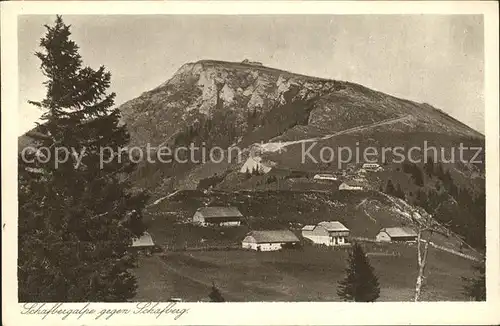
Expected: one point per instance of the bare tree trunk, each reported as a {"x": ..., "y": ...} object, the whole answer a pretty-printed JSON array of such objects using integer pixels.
[{"x": 422, "y": 261}]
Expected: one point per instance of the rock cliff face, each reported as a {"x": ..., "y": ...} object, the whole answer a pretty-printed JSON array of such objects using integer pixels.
[
  {"x": 271, "y": 113},
  {"x": 247, "y": 96}
]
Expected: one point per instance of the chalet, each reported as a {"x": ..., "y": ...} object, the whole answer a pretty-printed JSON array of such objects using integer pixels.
[
  {"x": 372, "y": 167},
  {"x": 352, "y": 185},
  {"x": 144, "y": 242},
  {"x": 327, "y": 233},
  {"x": 269, "y": 240},
  {"x": 325, "y": 176},
  {"x": 217, "y": 216},
  {"x": 396, "y": 234},
  {"x": 253, "y": 63}
]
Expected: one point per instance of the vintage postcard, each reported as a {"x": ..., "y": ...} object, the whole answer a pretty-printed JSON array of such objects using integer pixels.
[{"x": 256, "y": 163}]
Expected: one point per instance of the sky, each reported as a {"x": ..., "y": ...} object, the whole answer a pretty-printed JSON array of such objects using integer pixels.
[{"x": 437, "y": 59}]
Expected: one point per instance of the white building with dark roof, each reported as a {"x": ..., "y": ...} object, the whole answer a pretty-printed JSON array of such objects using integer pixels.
[
  {"x": 352, "y": 185},
  {"x": 218, "y": 216},
  {"x": 331, "y": 233},
  {"x": 269, "y": 240},
  {"x": 372, "y": 167},
  {"x": 396, "y": 234},
  {"x": 325, "y": 176}
]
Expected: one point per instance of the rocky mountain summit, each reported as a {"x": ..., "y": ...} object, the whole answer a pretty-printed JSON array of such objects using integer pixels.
[{"x": 251, "y": 96}]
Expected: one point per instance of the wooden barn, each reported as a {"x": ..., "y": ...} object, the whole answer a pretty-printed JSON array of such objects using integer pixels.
[
  {"x": 269, "y": 240},
  {"x": 217, "y": 216},
  {"x": 327, "y": 233},
  {"x": 396, "y": 234}
]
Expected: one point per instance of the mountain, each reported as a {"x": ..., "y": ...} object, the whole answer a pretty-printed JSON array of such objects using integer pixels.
[
  {"x": 271, "y": 103},
  {"x": 275, "y": 114},
  {"x": 262, "y": 109},
  {"x": 271, "y": 115}
]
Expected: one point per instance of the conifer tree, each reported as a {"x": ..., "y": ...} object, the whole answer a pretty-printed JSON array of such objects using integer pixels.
[
  {"x": 248, "y": 174},
  {"x": 429, "y": 167},
  {"x": 389, "y": 188},
  {"x": 417, "y": 176},
  {"x": 360, "y": 283},
  {"x": 439, "y": 170},
  {"x": 421, "y": 199},
  {"x": 475, "y": 288},
  {"x": 215, "y": 295},
  {"x": 76, "y": 218},
  {"x": 399, "y": 192}
]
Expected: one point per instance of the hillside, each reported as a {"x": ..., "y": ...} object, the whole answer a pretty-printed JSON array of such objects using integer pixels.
[
  {"x": 364, "y": 212},
  {"x": 187, "y": 268},
  {"x": 241, "y": 93},
  {"x": 271, "y": 114},
  {"x": 223, "y": 103}
]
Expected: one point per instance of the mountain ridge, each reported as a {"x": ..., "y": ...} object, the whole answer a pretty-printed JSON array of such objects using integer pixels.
[
  {"x": 211, "y": 63},
  {"x": 204, "y": 89}
]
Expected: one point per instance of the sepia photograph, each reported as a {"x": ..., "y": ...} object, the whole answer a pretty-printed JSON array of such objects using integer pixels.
[{"x": 169, "y": 159}]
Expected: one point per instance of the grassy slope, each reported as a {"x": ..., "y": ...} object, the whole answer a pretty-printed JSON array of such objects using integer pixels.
[
  {"x": 308, "y": 274},
  {"x": 363, "y": 212}
]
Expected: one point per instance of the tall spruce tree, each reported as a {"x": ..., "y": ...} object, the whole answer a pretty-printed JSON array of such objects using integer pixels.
[
  {"x": 360, "y": 283},
  {"x": 76, "y": 217},
  {"x": 215, "y": 295}
]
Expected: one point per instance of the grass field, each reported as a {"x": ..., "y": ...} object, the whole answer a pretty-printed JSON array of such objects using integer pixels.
[{"x": 307, "y": 274}]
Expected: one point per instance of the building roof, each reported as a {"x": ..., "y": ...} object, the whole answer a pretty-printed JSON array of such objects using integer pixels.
[
  {"x": 371, "y": 165},
  {"x": 219, "y": 211},
  {"x": 308, "y": 227},
  {"x": 280, "y": 172},
  {"x": 273, "y": 236},
  {"x": 333, "y": 226},
  {"x": 325, "y": 175},
  {"x": 145, "y": 240},
  {"x": 397, "y": 232},
  {"x": 354, "y": 183}
]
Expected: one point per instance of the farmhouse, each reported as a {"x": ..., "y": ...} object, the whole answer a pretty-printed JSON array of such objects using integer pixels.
[
  {"x": 144, "y": 242},
  {"x": 217, "y": 216},
  {"x": 372, "y": 167},
  {"x": 399, "y": 234},
  {"x": 325, "y": 176},
  {"x": 351, "y": 185},
  {"x": 269, "y": 240},
  {"x": 327, "y": 233}
]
